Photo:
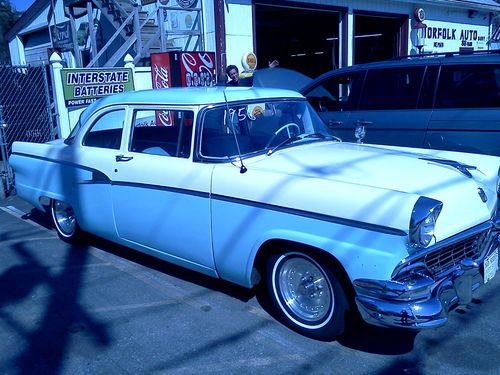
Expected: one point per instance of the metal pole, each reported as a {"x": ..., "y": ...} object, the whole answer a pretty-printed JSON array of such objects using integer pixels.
[{"x": 5, "y": 175}]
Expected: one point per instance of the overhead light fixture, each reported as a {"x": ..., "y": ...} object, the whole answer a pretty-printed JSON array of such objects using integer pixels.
[
  {"x": 367, "y": 35},
  {"x": 332, "y": 38},
  {"x": 319, "y": 53}
]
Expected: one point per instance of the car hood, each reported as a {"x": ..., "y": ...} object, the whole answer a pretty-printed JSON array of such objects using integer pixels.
[
  {"x": 281, "y": 78},
  {"x": 379, "y": 185}
]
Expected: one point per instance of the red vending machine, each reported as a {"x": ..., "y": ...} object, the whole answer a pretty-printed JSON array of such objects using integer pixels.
[{"x": 182, "y": 69}]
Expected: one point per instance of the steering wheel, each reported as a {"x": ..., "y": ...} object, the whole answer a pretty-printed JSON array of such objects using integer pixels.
[{"x": 286, "y": 127}]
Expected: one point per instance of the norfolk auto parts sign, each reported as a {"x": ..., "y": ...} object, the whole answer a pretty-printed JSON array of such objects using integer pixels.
[
  {"x": 84, "y": 86},
  {"x": 448, "y": 36}
]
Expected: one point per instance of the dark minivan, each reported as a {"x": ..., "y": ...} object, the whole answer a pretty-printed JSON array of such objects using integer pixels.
[{"x": 448, "y": 101}]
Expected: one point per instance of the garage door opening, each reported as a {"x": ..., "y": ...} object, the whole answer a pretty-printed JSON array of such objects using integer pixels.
[
  {"x": 302, "y": 39},
  {"x": 378, "y": 38}
]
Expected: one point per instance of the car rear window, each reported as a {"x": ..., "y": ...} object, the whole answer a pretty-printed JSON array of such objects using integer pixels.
[{"x": 468, "y": 86}]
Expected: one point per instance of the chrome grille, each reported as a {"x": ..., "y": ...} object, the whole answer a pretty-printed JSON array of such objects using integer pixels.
[{"x": 445, "y": 258}]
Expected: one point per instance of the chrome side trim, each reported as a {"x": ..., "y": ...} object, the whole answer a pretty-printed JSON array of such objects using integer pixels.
[{"x": 312, "y": 215}]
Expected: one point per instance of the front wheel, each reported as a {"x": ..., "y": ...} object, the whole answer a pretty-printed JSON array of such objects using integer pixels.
[
  {"x": 64, "y": 219},
  {"x": 306, "y": 294}
]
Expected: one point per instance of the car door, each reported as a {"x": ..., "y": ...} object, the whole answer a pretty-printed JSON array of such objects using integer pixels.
[
  {"x": 92, "y": 167},
  {"x": 334, "y": 97},
  {"x": 160, "y": 197},
  {"x": 388, "y": 108},
  {"x": 466, "y": 115}
]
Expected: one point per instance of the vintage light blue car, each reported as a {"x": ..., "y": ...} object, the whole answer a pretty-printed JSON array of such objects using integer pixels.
[{"x": 249, "y": 186}]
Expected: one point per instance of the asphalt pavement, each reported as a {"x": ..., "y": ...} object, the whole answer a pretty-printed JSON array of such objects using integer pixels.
[{"x": 100, "y": 308}]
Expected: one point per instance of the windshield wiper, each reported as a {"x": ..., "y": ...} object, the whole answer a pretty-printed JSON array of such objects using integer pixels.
[
  {"x": 285, "y": 142},
  {"x": 299, "y": 138}
]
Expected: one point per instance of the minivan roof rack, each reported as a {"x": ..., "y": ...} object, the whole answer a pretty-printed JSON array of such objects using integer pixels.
[{"x": 462, "y": 52}]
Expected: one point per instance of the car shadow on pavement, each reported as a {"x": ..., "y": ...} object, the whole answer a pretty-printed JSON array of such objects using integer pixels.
[
  {"x": 45, "y": 324},
  {"x": 233, "y": 290},
  {"x": 359, "y": 335},
  {"x": 377, "y": 340}
]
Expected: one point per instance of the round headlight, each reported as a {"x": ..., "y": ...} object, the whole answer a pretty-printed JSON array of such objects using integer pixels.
[
  {"x": 498, "y": 181},
  {"x": 423, "y": 221},
  {"x": 426, "y": 230}
]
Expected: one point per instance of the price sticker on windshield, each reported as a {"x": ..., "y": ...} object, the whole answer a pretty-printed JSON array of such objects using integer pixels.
[{"x": 490, "y": 265}]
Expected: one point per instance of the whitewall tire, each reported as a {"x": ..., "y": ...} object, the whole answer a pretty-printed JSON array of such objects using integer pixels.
[
  {"x": 306, "y": 294},
  {"x": 64, "y": 219}
]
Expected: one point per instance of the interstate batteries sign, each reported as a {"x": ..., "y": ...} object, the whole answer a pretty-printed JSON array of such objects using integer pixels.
[{"x": 84, "y": 86}]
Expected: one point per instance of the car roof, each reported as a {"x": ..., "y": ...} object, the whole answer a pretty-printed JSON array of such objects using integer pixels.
[
  {"x": 446, "y": 58},
  {"x": 489, "y": 56},
  {"x": 190, "y": 96},
  {"x": 196, "y": 95}
]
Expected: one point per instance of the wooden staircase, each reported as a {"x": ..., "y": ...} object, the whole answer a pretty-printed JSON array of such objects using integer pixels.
[{"x": 143, "y": 30}]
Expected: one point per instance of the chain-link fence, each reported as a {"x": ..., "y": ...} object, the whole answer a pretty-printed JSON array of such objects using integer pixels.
[{"x": 25, "y": 113}]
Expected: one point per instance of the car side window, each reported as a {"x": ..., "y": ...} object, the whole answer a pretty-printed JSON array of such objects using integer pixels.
[
  {"x": 337, "y": 93},
  {"x": 468, "y": 86},
  {"x": 428, "y": 89},
  {"x": 392, "y": 88},
  {"x": 162, "y": 132},
  {"x": 107, "y": 130}
]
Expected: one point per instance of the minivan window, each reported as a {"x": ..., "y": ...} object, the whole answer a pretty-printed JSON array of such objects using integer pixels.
[
  {"x": 468, "y": 86},
  {"x": 393, "y": 88},
  {"x": 428, "y": 87},
  {"x": 336, "y": 93}
]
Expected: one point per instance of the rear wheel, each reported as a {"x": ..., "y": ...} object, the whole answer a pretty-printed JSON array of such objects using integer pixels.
[
  {"x": 306, "y": 294},
  {"x": 64, "y": 219}
]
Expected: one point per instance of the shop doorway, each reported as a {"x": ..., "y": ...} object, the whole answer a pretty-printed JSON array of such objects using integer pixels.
[
  {"x": 302, "y": 39},
  {"x": 378, "y": 38}
]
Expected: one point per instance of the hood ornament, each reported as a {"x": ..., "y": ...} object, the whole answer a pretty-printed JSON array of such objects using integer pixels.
[
  {"x": 360, "y": 130},
  {"x": 462, "y": 168}
]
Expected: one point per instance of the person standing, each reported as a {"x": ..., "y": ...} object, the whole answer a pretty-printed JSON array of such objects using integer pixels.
[
  {"x": 236, "y": 80},
  {"x": 233, "y": 74}
]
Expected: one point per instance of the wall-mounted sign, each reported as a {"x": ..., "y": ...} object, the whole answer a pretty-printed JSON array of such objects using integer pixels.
[
  {"x": 62, "y": 38},
  {"x": 450, "y": 37},
  {"x": 84, "y": 86},
  {"x": 187, "y": 3}
]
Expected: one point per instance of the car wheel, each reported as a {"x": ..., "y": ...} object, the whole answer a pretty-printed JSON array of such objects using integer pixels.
[
  {"x": 306, "y": 294},
  {"x": 64, "y": 219}
]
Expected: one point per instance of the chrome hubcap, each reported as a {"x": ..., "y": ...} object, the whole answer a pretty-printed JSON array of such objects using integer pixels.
[
  {"x": 305, "y": 289},
  {"x": 64, "y": 217}
]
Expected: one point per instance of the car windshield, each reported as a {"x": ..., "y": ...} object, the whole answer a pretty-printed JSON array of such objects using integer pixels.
[{"x": 240, "y": 129}]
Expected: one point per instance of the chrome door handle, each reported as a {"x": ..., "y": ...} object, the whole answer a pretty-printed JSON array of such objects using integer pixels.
[
  {"x": 335, "y": 123},
  {"x": 123, "y": 158},
  {"x": 362, "y": 122}
]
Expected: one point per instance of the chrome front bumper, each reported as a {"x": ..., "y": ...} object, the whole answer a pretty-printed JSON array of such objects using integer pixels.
[{"x": 420, "y": 299}]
